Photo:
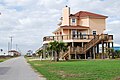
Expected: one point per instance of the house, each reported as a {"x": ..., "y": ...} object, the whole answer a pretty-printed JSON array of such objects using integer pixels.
[
  {"x": 84, "y": 34},
  {"x": 14, "y": 53},
  {"x": 29, "y": 53}
]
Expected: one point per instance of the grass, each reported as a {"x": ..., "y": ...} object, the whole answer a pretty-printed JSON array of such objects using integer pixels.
[
  {"x": 79, "y": 70},
  {"x": 3, "y": 59}
]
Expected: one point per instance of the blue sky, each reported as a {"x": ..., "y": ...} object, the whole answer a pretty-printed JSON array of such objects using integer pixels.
[{"x": 28, "y": 21}]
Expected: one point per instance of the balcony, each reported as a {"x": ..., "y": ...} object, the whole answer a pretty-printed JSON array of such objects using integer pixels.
[
  {"x": 72, "y": 37},
  {"x": 110, "y": 37}
]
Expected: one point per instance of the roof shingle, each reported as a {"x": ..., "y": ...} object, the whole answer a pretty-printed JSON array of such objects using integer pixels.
[{"x": 85, "y": 14}]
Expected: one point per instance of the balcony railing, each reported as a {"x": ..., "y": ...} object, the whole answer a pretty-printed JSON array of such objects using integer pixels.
[
  {"x": 71, "y": 37},
  {"x": 110, "y": 37}
]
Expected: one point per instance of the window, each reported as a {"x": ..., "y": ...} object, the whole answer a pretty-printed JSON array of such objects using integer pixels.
[
  {"x": 94, "y": 32},
  {"x": 74, "y": 33},
  {"x": 60, "y": 33},
  {"x": 73, "y": 20}
]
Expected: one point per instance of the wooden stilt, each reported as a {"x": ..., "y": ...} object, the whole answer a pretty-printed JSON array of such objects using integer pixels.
[
  {"x": 82, "y": 44},
  {"x": 108, "y": 44},
  {"x": 85, "y": 56},
  {"x": 102, "y": 49},
  {"x": 75, "y": 55},
  {"x": 69, "y": 52},
  {"x": 97, "y": 48},
  {"x": 94, "y": 48},
  {"x": 107, "y": 49},
  {"x": 90, "y": 54},
  {"x": 112, "y": 44},
  {"x": 44, "y": 53}
]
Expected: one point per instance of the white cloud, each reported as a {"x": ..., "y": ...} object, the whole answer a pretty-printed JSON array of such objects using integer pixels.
[
  {"x": 28, "y": 21},
  {"x": 116, "y": 45},
  {"x": 19, "y": 2}
]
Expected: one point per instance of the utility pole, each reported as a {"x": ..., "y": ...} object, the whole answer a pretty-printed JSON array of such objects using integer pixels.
[{"x": 11, "y": 41}]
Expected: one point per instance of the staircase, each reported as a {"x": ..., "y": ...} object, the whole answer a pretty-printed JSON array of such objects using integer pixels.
[
  {"x": 64, "y": 55},
  {"x": 97, "y": 39},
  {"x": 94, "y": 41}
]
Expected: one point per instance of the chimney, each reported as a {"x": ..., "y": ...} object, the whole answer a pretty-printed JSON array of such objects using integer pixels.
[{"x": 65, "y": 16}]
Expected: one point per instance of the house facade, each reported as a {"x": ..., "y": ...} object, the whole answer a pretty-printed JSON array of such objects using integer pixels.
[
  {"x": 84, "y": 34},
  {"x": 14, "y": 53}
]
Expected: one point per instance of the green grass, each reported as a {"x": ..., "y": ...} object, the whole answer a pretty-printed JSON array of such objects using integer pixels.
[
  {"x": 5, "y": 58},
  {"x": 79, "y": 70},
  {"x": 1, "y": 60}
]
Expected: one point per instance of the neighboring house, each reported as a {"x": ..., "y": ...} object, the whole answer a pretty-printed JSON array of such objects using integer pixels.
[
  {"x": 14, "y": 53},
  {"x": 41, "y": 54},
  {"x": 84, "y": 33},
  {"x": 29, "y": 53}
]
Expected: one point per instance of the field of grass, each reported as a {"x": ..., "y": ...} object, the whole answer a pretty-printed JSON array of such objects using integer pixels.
[{"x": 79, "y": 70}]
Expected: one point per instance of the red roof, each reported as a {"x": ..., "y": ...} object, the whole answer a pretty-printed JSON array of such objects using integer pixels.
[{"x": 85, "y": 14}]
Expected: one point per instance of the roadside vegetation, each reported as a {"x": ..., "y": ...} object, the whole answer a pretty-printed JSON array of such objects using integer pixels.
[
  {"x": 79, "y": 70},
  {"x": 57, "y": 47},
  {"x": 3, "y": 59},
  {"x": 52, "y": 51}
]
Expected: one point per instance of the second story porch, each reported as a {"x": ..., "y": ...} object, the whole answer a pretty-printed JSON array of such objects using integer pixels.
[{"x": 72, "y": 38}]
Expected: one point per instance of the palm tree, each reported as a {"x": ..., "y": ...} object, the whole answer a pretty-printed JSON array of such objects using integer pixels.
[
  {"x": 111, "y": 51},
  {"x": 118, "y": 53},
  {"x": 53, "y": 47},
  {"x": 49, "y": 52},
  {"x": 62, "y": 47},
  {"x": 57, "y": 47},
  {"x": 39, "y": 52}
]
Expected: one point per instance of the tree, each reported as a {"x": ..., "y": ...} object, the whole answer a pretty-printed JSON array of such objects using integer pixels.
[
  {"x": 118, "y": 53},
  {"x": 111, "y": 52},
  {"x": 1, "y": 50},
  {"x": 39, "y": 52},
  {"x": 57, "y": 47}
]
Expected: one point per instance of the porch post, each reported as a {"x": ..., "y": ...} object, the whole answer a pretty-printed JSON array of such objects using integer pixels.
[
  {"x": 107, "y": 50},
  {"x": 44, "y": 53},
  {"x": 82, "y": 44},
  {"x": 103, "y": 49},
  {"x": 112, "y": 44},
  {"x": 90, "y": 54},
  {"x": 72, "y": 44},
  {"x": 74, "y": 51},
  {"x": 94, "y": 48},
  {"x": 108, "y": 44},
  {"x": 85, "y": 55},
  {"x": 75, "y": 55},
  {"x": 82, "y": 47},
  {"x": 69, "y": 52},
  {"x": 97, "y": 48}
]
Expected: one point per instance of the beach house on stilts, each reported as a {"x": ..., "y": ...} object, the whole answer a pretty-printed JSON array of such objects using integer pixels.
[{"x": 84, "y": 34}]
